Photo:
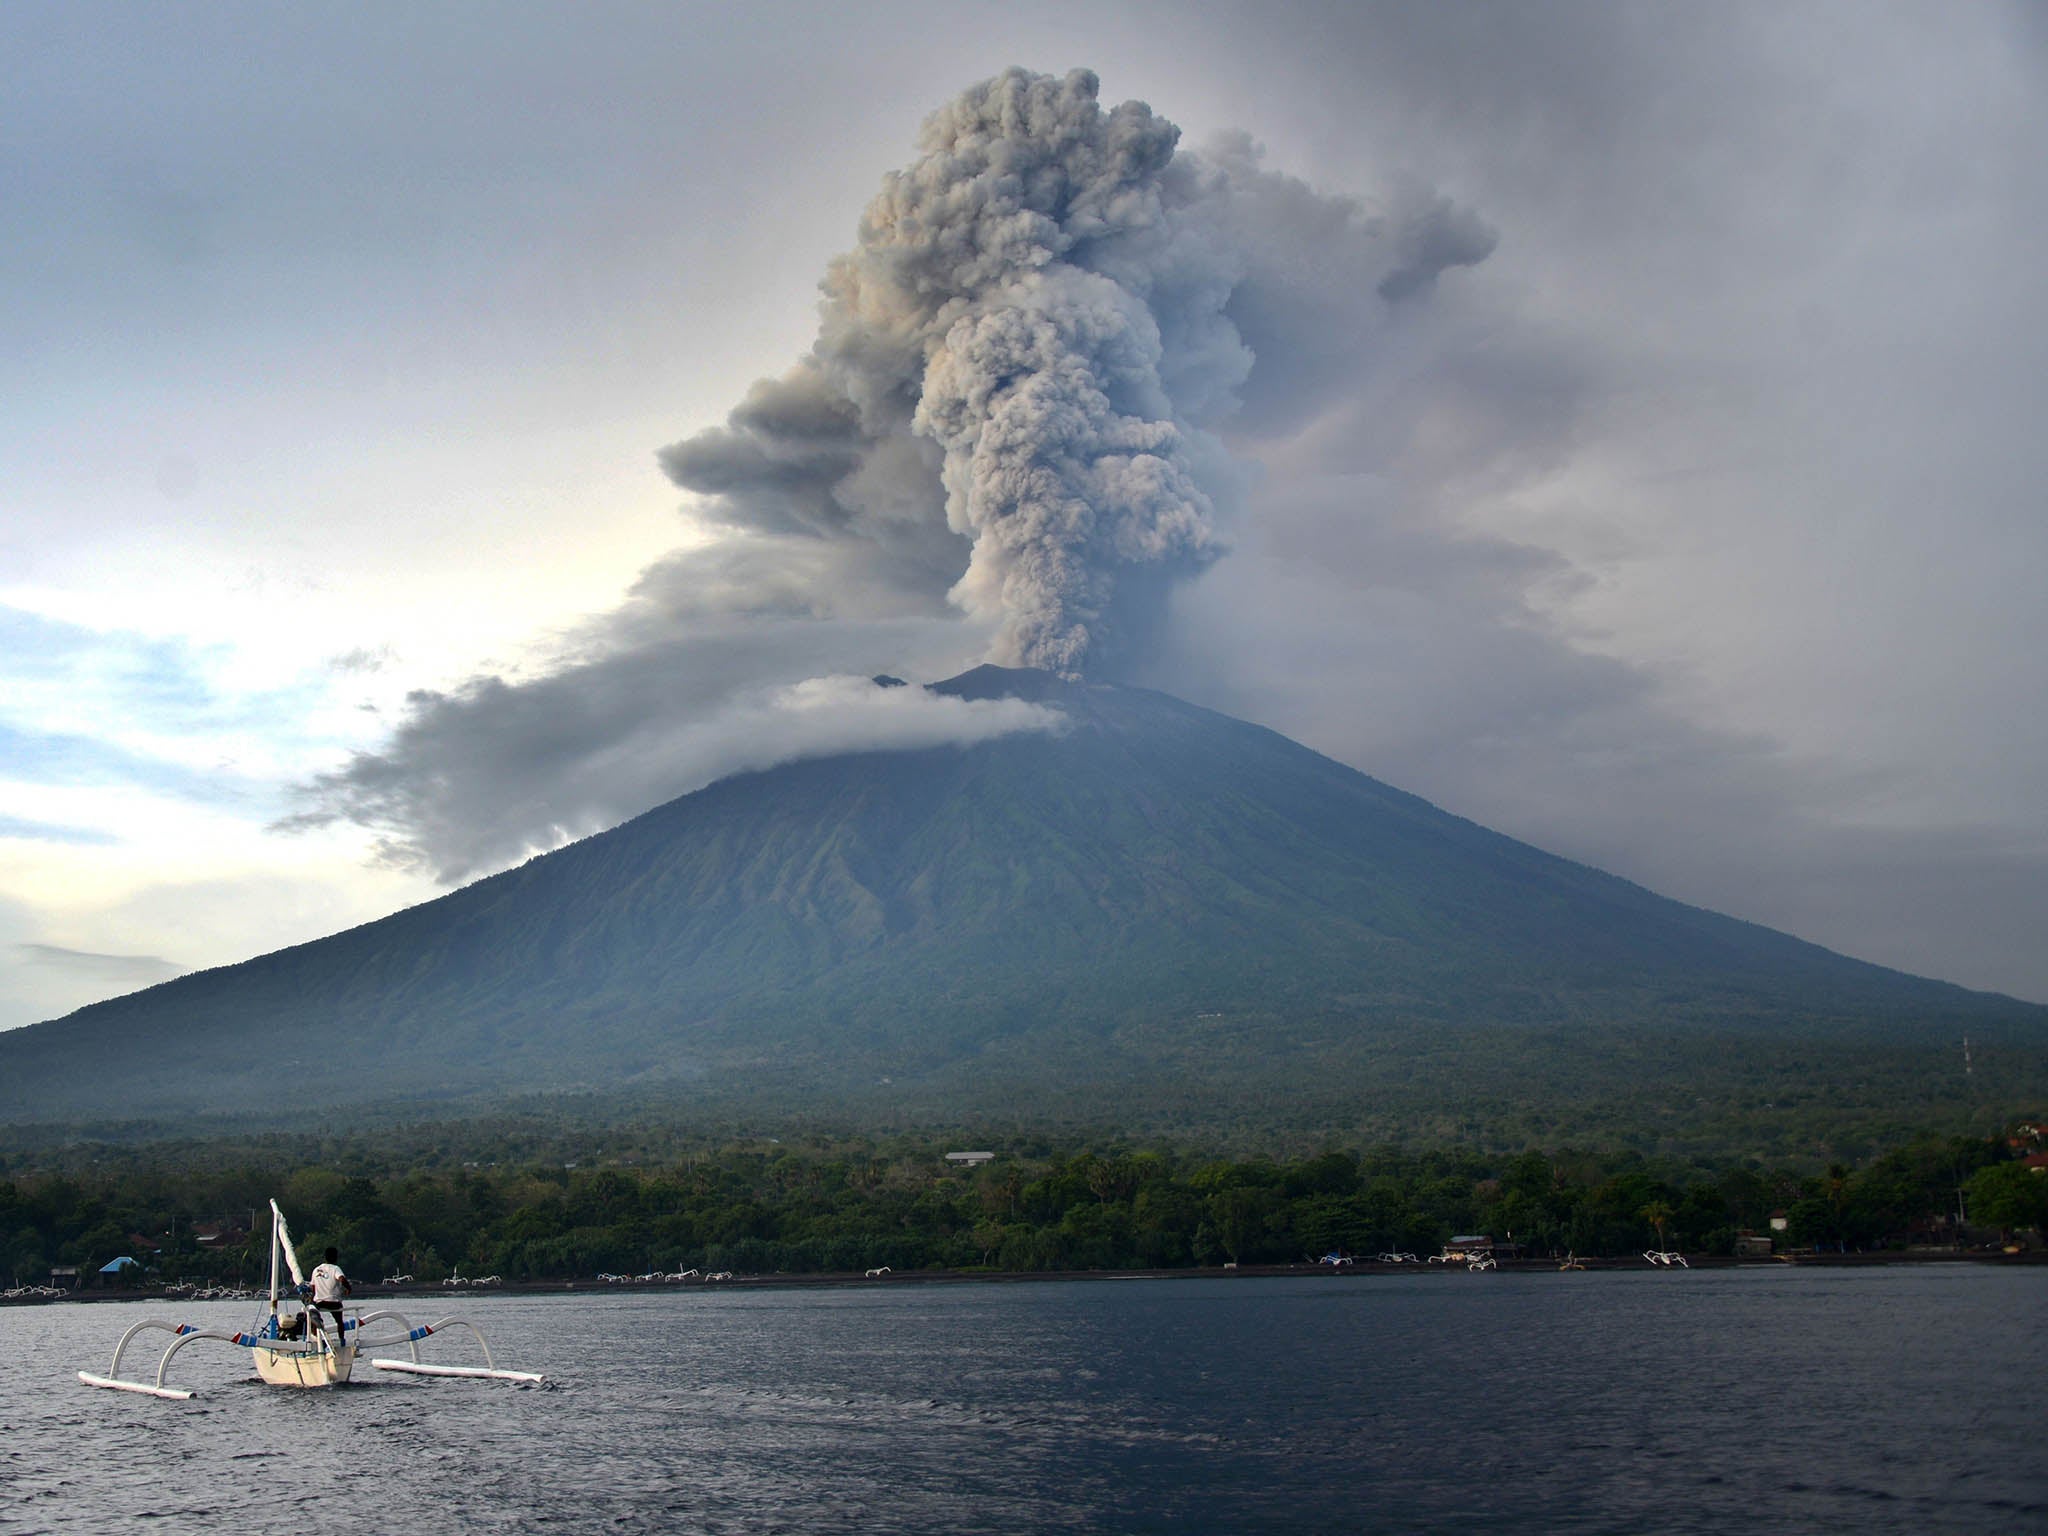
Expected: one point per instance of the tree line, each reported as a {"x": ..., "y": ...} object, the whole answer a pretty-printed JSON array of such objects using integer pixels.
[{"x": 821, "y": 1206}]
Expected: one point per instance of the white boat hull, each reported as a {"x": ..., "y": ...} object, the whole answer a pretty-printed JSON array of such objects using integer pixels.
[{"x": 297, "y": 1368}]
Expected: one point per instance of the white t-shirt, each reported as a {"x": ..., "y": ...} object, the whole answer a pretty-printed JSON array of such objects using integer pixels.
[{"x": 327, "y": 1282}]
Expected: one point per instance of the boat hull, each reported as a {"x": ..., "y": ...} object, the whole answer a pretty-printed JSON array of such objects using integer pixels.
[{"x": 292, "y": 1368}]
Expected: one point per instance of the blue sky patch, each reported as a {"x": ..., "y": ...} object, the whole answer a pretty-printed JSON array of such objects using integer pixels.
[{"x": 50, "y": 832}]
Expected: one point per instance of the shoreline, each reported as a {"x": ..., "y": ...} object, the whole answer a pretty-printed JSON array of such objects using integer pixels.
[{"x": 842, "y": 1279}]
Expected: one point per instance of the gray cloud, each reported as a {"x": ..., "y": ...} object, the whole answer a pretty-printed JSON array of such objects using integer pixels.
[
  {"x": 1016, "y": 363},
  {"x": 40, "y": 980},
  {"x": 1678, "y": 539},
  {"x": 126, "y": 971},
  {"x": 565, "y": 774},
  {"x": 1432, "y": 235},
  {"x": 362, "y": 659},
  {"x": 1689, "y": 532},
  {"x": 1002, "y": 444},
  {"x": 725, "y": 658}
]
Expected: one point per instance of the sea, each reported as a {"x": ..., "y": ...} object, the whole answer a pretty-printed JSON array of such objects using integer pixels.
[{"x": 1910, "y": 1398}]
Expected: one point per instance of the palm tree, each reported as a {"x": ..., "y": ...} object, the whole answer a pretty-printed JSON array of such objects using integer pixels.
[{"x": 1657, "y": 1213}]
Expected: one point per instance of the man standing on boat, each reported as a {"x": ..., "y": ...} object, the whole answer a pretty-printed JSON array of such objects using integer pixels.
[{"x": 330, "y": 1285}]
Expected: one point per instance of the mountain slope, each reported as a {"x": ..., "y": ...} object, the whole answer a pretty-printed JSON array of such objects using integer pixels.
[{"x": 1158, "y": 906}]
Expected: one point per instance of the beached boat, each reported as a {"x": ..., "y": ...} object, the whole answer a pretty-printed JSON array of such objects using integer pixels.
[{"x": 297, "y": 1345}]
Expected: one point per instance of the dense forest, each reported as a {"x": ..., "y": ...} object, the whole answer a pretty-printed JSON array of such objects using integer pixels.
[{"x": 829, "y": 1205}]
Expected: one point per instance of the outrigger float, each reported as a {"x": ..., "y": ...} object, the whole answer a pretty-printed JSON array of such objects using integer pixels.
[{"x": 292, "y": 1349}]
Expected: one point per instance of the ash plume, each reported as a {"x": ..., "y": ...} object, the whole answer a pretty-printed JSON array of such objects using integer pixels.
[
  {"x": 1008, "y": 441},
  {"x": 1017, "y": 362}
]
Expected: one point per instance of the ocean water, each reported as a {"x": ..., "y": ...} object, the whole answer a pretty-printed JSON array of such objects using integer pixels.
[{"x": 1908, "y": 1399}]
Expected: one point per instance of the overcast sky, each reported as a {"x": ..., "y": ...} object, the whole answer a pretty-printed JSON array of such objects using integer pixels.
[{"x": 1635, "y": 442}]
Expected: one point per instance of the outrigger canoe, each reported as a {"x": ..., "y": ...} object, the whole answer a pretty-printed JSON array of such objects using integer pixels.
[{"x": 293, "y": 1348}]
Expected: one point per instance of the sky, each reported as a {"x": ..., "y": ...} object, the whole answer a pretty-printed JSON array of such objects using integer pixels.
[{"x": 428, "y": 438}]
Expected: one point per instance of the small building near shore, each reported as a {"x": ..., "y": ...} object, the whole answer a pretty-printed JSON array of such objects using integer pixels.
[
  {"x": 969, "y": 1159},
  {"x": 1753, "y": 1245},
  {"x": 120, "y": 1271}
]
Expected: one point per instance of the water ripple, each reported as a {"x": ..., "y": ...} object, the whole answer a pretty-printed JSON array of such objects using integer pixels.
[{"x": 1898, "y": 1400}]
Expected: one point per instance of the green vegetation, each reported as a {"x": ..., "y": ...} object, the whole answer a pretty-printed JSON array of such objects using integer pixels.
[{"x": 829, "y": 1205}]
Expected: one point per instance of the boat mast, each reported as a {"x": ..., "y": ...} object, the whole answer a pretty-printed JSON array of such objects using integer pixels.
[{"x": 275, "y": 1217}]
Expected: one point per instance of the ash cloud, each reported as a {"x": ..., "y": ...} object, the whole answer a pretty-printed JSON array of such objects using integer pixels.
[
  {"x": 1006, "y": 443},
  {"x": 124, "y": 971},
  {"x": 40, "y": 980},
  {"x": 1686, "y": 543},
  {"x": 1019, "y": 364},
  {"x": 553, "y": 772}
]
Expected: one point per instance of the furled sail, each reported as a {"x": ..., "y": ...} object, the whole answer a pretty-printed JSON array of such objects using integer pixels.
[{"x": 284, "y": 1238}]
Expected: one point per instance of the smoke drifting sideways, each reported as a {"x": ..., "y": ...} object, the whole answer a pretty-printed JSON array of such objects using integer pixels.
[
  {"x": 1018, "y": 365},
  {"x": 1006, "y": 442},
  {"x": 553, "y": 788}
]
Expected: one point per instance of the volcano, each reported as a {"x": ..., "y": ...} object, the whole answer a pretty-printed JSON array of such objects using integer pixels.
[{"x": 1154, "y": 918}]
